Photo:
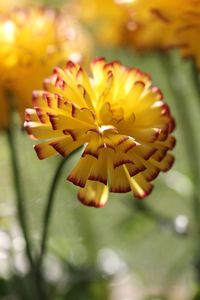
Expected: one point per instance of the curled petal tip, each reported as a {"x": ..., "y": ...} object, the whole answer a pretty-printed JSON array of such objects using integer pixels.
[
  {"x": 98, "y": 59},
  {"x": 93, "y": 203}
]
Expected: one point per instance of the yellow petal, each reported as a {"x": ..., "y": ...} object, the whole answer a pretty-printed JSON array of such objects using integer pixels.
[
  {"x": 170, "y": 142},
  {"x": 145, "y": 150},
  {"x": 79, "y": 175},
  {"x": 97, "y": 66},
  {"x": 68, "y": 92},
  {"x": 92, "y": 147},
  {"x": 87, "y": 98},
  {"x": 39, "y": 100},
  {"x": 94, "y": 194},
  {"x": 41, "y": 131},
  {"x": 99, "y": 168},
  {"x": 149, "y": 135},
  {"x": 84, "y": 80},
  {"x": 136, "y": 160},
  {"x": 118, "y": 180},
  {"x": 139, "y": 186},
  {"x": 147, "y": 99},
  {"x": 150, "y": 171},
  {"x": 71, "y": 68},
  {"x": 44, "y": 150},
  {"x": 66, "y": 145},
  {"x": 66, "y": 122},
  {"x": 160, "y": 153},
  {"x": 165, "y": 164},
  {"x": 127, "y": 145},
  {"x": 133, "y": 97},
  {"x": 30, "y": 115}
]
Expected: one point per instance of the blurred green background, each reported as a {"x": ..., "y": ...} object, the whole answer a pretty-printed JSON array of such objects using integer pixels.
[{"x": 121, "y": 252}]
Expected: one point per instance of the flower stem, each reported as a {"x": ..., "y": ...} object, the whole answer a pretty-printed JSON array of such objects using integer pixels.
[
  {"x": 190, "y": 143},
  {"x": 19, "y": 194},
  {"x": 188, "y": 134},
  {"x": 49, "y": 207},
  {"x": 196, "y": 77},
  {"x": 21, "y": 210}
]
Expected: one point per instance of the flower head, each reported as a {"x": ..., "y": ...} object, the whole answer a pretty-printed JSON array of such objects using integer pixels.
[
  {"x": 186, "y": 31},
  {"x": 107, "y": 20},
  {"x": 120, "y": 119},
  {"x": 9, "y": 4},
  {"x": 33, "y": 40},
  {"x": 154, "y": 21},
  {"x": 164, "y": 24}
]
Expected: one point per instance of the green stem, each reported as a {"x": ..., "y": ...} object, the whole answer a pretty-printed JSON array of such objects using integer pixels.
[
  {"x": 196, "y": 82},
  {"x": 190, "y": 144},
  {"x": 21, "y": 210},
  {"x": 49, "y": 208},
  {"x": 19, "y": 194},
  {"x": 196, "y": 77},
  {"x": 188, "y": 134}
]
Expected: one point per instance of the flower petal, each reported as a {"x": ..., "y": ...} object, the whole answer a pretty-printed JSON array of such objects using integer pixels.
[
  {"x": 94, "y": 194},
  {"x": 44, "y": 150},
  {"x": 66, "y": 145},
  {"x": 118, "y": 180},
  {"x": 148, "y": 135},
  {"x": 41, "y": 131},
  {"x": 79, "y": 175},
  {"x": 99, "y": 169},
  {"x": 30, "y": 115},
  {"x": 139, "y": 186},
  {"x": 165, "y": 164},
  {"x": 170, "y": 142},
  {"x": 145, "y": 150}
]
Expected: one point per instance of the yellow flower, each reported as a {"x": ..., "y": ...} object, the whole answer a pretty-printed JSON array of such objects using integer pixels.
[
  {"x": 106, "y": 19},
  {"x": 187, "y": 31},
  {"x": 164, "y": 24},
  {"x": 120, "y": 119},
  {"x": 8, "y": 4},
  {"x": 34, "y": 40},
  {"x": 153, "y": 19}
]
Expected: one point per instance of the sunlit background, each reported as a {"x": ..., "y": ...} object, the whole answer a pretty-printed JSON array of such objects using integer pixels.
[{"x": 125, "y": 251}]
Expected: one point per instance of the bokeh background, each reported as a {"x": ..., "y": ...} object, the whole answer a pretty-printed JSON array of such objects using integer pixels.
[{"x": 127, "y": 250}]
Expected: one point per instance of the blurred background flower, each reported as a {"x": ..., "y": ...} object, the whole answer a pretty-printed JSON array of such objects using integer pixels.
[
  {"x": 153, "y": 22},
  {"x": 107, "y": 22},
  {"x": 33, "y": 41},
  {"x": 164, "y": 24}
]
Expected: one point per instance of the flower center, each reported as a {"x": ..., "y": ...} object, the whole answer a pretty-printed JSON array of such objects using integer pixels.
[{"x": 110, "y": 114}]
